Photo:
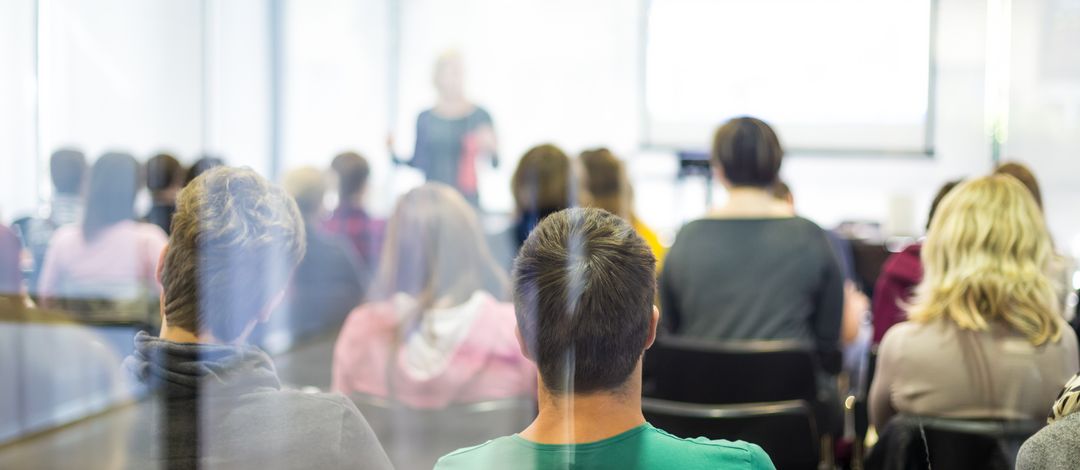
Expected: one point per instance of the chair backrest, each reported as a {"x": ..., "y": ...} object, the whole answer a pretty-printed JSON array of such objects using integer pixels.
[
  {"x": 785, "y": 430},
  {"x": 696, "y": 371},
  {"x": 416, "y": 438},
  {"x": 928, "y": 442}
]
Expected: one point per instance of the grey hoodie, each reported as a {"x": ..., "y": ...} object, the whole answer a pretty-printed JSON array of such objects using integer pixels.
[{"x": 223, "y": 407}]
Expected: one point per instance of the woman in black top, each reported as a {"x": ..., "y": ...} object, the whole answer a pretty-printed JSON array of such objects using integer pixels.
[
  {"x": 453, "y": 135},
  {"x": 750, "y": 270}
]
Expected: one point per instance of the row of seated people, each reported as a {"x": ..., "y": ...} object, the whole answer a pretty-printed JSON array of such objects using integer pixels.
[{"x": 438, "y": 329}]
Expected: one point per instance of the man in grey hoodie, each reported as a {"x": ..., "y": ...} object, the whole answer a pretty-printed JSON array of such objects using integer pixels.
[{"x": 235, "y": 241}]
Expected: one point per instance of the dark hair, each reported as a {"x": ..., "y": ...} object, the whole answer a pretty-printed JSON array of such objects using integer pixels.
[
  {"x": 352, "y": 170},
  {"x": 584, "y": 283},
  {"x": 110, "y": 195},
  {"x": 163, "y": 171},
  {"x": 67, "y": 167},
  {"x": 748, "y": 151},
  {"x": 201, "y": 166},
  {"x": 941, "y": 193},
  {"x": 781, "y": 190},
  {"x": 543, "y": 180},
  {"x": 235, "y": 240},
  {"x": 1023, "y": 173}
]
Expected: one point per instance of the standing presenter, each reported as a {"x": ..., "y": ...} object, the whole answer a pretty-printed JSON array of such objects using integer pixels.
[{"x": 453, "y": 135}]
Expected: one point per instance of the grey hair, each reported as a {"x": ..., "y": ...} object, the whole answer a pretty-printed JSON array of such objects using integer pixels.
[{"x": 236, "y": 238}]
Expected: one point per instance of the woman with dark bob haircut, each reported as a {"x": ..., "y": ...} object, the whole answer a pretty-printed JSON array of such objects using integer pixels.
[{"x": 749, "y": 269}]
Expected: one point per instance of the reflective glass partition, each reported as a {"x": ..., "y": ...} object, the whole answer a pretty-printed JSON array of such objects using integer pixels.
[{"x": 283, "y": 233}]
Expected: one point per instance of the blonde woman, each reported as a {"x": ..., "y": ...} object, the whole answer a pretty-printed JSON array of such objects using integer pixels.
[
  {"x": 984, "y": 339},
  {"x": 437, "y": 329}
]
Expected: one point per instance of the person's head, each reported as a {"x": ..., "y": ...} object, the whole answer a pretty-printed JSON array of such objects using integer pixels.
[
  {"x": 307, "y": 186},
  {"x": 985, "y": 260},
  {"x": 67, "y": 167},
  {"x": 164, "y": 176},
  {"x": 942, "y": 192},
  {"x": 607, "y": 182},
  {"x": 1024, "y": 174},
  {"x": 352, "y": 172},
  {"x": 236, "y": 238},
  {"x": 201, "y": 166},
  {"x": 435, "y": 250},
  {"x": 584, "y": 283},
  {"x": 747, "y": 153},
  {"x": 544, "y": 181},
  {"x": 781, "y": 191},
  {"x": 449, "y": 75},
  {"x": 110, "y": 193}
]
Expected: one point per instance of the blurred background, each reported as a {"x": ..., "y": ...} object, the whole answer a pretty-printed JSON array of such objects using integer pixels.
[{"x": 877, "y": 102}]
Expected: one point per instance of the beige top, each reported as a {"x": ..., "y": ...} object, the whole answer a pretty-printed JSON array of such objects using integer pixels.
[{"x": 937, "y": 369}]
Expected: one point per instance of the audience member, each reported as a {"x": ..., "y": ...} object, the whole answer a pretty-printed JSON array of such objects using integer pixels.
[
  {"x": 543, "y": 183},
  {"x": 236, "y": 239},
  {"x": 899, "y": 275},
  {"x": 1054, "y": 447},
  {"x": 984, "y": 338},
  {"x": 583, "y": 294},
  {"x": 856, "y": 304},
  {"x": 750, "y": 269},
  {"x": 329, "y": 281},
  {"x": 11, "y": 281},
  {"x": 350, "y": 219},
  {"x": 437, "y": 330},
  {"x": 610, "y": 189},
  {"x": 109, "y": 255},
  {"x": 164, "y": 178},
  {"x": 67, "y": 168},
  {"x": 201, "y": 166},
  {"x": 1061, "y": 267}
]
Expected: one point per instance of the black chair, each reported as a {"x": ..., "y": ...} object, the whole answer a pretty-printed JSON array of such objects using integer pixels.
[
  {"x": 416, "y": 438},
  {"x": 742, "y": 372},
  {"x": 922, "y": 443},
  {"x": 711, "y": 372},
  {"x": 786, "y": 430}
]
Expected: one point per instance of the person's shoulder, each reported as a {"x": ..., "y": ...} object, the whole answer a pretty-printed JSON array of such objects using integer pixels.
[
  {"x": 481, "y": 113},
  {"x": 1051, "y": 447},
  {"x": 722, "y": 453},
  {"x": 899, "y": 334},
  {"x": 67, "y": 233},
  {"x": 478, "y": 456}
]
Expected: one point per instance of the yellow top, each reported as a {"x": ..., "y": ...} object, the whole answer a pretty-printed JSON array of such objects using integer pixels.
[{"x": 658, "y": 249}]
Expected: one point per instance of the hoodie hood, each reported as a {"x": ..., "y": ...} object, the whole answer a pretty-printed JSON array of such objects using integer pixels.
[{"x": 188, "y": 369}]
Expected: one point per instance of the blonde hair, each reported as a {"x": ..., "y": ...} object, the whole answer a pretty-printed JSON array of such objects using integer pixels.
[
  {"x": 985, "y": 260},
  {"x": 307, "y": 186}
]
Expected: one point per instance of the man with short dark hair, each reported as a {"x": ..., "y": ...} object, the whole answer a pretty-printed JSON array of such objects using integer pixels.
[
  {"x": 584, "y": 284},
  {"x": 236, "y": 240},
  {"x": 350, "y": 219}
]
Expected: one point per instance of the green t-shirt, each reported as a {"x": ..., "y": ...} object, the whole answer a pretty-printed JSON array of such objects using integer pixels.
[{"x": 643, "y": 447}]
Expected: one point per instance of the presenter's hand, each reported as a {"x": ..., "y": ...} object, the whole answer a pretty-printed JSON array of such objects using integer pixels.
[{"x": 390, "y": 149}]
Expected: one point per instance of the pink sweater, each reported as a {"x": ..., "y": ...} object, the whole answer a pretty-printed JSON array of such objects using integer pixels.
[
  {"x": 117, "y": 263},
  {"x": 463, "y": 354}
]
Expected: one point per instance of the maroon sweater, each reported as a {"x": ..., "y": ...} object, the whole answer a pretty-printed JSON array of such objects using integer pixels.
[{"x": 901, "y": 273}]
